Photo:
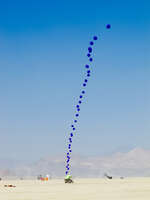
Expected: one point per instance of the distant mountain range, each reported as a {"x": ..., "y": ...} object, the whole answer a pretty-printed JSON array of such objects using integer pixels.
[{"x": 133, "y": 163}]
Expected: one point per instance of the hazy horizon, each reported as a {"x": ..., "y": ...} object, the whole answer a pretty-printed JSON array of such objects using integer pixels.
[{"x": 134, "y": 163}]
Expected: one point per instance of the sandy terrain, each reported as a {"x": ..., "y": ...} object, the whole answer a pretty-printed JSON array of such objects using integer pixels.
[{"x": 82, "y": 189}]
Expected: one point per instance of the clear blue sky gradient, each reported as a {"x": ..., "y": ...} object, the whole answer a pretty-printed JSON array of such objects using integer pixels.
[{"x": 43, "y": 46}]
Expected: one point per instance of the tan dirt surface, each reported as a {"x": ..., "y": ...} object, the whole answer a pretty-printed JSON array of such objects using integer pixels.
[{"x": 82, "y": 189}]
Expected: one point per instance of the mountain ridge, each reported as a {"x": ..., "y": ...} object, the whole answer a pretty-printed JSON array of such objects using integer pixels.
[{"x": 135, "y": 162}]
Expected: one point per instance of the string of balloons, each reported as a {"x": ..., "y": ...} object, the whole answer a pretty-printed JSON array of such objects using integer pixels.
[{"x": 81, "y": 96}]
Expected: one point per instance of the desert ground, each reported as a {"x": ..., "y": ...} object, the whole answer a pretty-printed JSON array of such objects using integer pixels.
[{"x": 82, "y": 189}]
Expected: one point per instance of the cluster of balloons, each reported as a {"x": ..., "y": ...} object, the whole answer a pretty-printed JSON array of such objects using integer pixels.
[{"x": 78, "y": 106}]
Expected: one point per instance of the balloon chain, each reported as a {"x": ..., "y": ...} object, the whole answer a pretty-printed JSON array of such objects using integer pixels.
[{"x": 78, "y": 106}]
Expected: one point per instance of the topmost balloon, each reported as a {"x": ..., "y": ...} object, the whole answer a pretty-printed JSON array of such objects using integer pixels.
[{"x": 108, "y": 26}]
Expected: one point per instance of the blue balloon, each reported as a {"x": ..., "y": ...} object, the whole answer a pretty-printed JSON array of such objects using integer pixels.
[
  {"x": 88, "y": 55},
  {"x": 83, "y": 92},
  {"x": 78, "y": 106},
  {"x": 77, "y": 115},
  {"x": 91, "y": 59},
  {"x": 87, "y": 66},
  {"x": 95, "y": 38},
  {"x": 88, "y": 71},
  {"x": 80, "y": 102},
  {"x": 81, "y": 96},
  {"x": 90, "y": 49},
  {"x": 84, "y": 84},
  {"x": 85, "y": 80},
  {"x": 108, "y": 26},
  {"x": 74, "y": 129},
  {"x": 75, "y": 121},
  {"x": 91, "y": 43},
  {"x": 78, "y": 109}
]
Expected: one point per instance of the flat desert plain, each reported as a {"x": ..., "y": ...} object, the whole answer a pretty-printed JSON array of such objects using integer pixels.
[{"x": 82, "y": 189}]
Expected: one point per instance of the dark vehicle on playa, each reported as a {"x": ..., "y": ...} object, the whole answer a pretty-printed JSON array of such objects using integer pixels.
[
  {"x": 109, "y": 177},
  {"x": 68, "y": 179}
]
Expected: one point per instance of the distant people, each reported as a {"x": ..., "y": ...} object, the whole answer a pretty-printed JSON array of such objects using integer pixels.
[
  {"x": 43, "y": 178},
  {"x": 39, "y": 177},
  {"x": 9, "y": 185}
]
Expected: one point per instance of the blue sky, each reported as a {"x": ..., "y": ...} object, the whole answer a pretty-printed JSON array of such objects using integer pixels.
[{"x": 42, "y": 57}]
